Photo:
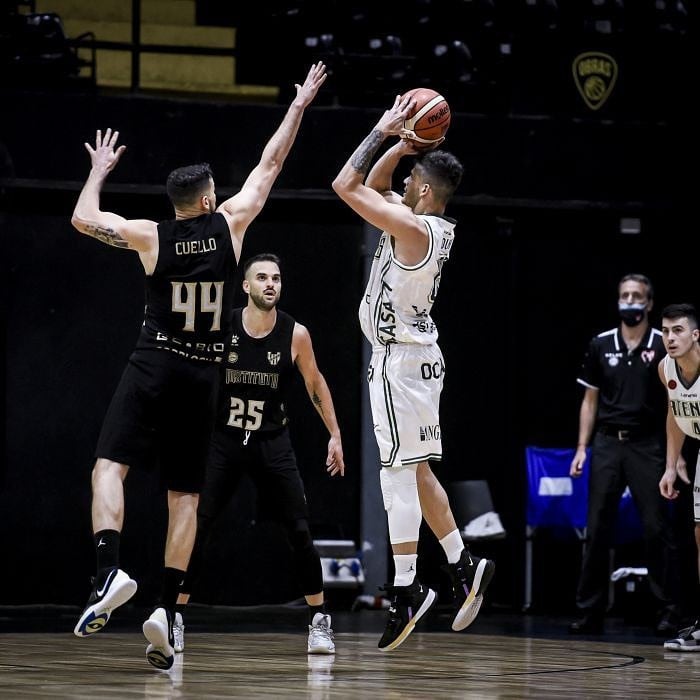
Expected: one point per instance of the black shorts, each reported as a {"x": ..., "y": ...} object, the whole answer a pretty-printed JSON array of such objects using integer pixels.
[
  {"x": 162, "y": 411},
  {"x": 268, "y": 459}
]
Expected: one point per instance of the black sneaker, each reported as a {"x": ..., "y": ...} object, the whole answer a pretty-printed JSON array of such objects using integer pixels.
[
  {"x": 107, "y": 594},
  {"x": 158, "y": 630},
  {"x": 408, "y": 605},
  {"x": 591, "y": 622},
  {"x": 470, "y": 579}
]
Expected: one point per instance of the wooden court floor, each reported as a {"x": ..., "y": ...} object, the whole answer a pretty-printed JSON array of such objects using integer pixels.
[{"x": 269, "y": 665}]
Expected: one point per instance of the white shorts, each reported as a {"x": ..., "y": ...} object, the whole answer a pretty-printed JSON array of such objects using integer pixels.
[{"x": 405, "y": 381}]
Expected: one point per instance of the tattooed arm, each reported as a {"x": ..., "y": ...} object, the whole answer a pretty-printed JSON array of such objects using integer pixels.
[
  {"x": 109, "y": 228},
  {"x": 320, "y": 395},
  {"x": 373, "y": 200}
]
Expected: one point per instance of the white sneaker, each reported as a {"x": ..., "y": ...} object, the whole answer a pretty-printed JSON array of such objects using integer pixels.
[
  {"x": 116, "y": 589},
  {"x": 158, "y": 630},
  {"x": 688, "y": 639},
  {"x": 320, "y": 635},
  {"x": 178, "y": 634}
]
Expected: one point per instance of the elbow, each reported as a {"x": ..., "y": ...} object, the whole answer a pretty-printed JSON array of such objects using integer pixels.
[
  {"x": 78, "y": 223},
  {"x": 339, "y": 186}
]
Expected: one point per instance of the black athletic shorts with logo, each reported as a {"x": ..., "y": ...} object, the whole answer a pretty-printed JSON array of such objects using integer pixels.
[
  {"x": 162, "y": 412},
  {"x": 268, "y": 459}
]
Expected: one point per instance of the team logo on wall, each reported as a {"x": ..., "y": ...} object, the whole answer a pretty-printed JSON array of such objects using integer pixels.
[
  {"x": 595, "y": 75},
  {"x": 233, "y": 357},
  {"x": 273, "y": 357}
]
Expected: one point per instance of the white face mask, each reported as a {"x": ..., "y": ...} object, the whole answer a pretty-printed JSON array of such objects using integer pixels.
[{"x": 632, "y": 314}]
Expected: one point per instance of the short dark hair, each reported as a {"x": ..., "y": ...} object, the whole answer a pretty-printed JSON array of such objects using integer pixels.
[
  {"x": 642, "y": 279},
  {"x": 186, "y": 184},
  {"x": 442, "y": 171},
  {"x": 261, "y": 257},
  {"x": 674, "y": 311}
]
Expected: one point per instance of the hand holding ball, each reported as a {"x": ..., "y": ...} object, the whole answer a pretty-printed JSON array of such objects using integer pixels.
[{"x": 427, "y": 124}]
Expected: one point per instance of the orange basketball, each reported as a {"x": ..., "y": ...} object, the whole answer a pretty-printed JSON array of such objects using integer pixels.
[{"x": 430, "y": 119}]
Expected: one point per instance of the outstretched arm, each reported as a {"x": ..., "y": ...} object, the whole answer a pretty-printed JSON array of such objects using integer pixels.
[
  {"x": 105, "y": 226},
  {"x": 368, "y": 200},
  {"x": 243, "y": 207},
  {"x": 320, "y": 395}
]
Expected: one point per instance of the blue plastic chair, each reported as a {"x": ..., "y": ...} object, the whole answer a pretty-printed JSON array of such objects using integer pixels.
[
  {"x": 557, "y": 501},
  {"x": 554, "y": 499}
]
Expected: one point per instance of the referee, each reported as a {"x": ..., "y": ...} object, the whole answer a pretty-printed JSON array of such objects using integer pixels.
[{"x": 623, "y": 412}]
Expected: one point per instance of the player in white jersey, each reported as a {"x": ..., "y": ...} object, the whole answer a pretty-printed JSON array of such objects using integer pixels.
[
  {"x": 680, "y": 373},
  {"x": 406, "y": 368}
]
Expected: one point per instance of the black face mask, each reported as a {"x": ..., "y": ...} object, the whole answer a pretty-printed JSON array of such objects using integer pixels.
[{"x": 632, "y": 314}]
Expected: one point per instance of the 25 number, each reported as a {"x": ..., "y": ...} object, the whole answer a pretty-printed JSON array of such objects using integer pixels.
[{"x": 247, "y": 416}]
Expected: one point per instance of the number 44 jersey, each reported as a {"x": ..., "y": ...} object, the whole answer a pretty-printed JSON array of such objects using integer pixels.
[{"x": 189, "y": 296}]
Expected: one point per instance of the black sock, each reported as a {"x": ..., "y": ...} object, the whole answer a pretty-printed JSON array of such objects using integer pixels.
[
  {"x": 107, "y": 549},
  {"x": 172, "y": 583},
  {"x": 313, "y": 609}
]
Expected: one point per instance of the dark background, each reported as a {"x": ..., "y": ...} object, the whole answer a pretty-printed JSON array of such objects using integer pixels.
[{"x": 532, "y": 276}]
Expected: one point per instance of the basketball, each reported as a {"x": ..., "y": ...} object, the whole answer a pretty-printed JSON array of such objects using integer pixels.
[{"x": 430, "y": 119}]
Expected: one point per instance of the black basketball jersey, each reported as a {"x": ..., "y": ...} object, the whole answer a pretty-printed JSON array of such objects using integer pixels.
[
  {"x": 630, "y": 394},
  {"x": 189, "y": 296},
  {"x": 256, "y": 375}
]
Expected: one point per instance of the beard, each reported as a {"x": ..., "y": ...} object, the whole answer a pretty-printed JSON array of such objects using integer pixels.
[{"x": 264, "y": 303}]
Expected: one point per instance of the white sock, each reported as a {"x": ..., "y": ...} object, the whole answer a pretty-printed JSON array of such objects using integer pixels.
[
  {"x": 453, "y": 545},
  {"x": 404, "y": 569}
]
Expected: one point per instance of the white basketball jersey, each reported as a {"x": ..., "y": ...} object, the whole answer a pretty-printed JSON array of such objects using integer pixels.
[
  {"x": 399, "y": 298},
  {"x": 685, "y": 401}
]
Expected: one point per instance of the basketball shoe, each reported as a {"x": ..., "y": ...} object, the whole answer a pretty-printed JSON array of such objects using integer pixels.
[
  {"x": 408, "y": 605},
  {"x": 470, "y": 578},
  {"x": 158, "y": 630},
  {"x": 108, "y": 593},
  {"x": 178, "y": 634},
  {"x": 688, "y": 639},
  {"x": 320, "y": 635}
]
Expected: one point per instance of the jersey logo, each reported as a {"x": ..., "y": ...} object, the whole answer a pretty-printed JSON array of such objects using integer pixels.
[
  {"x": 648, "y": 356},
  {"x": 273, "y": 358},
  {"x": 613, "y": 361},
  {"x": 672, "y": 384},
  {"x": 233, "y": 357}
]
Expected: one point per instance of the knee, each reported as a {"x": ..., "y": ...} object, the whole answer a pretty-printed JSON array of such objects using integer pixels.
[
  {"x": 299, "y": 535},
  {"x": 399, "y": 485},
  {"x": 106, "y": 471}
]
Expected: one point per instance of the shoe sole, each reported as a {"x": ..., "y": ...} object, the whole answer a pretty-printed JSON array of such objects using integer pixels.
[
  {"x": 427, "y": 604},
  {"x": 681, "y": 647},
  {"x": 320, "y": 650},
  {"x": 97, "y": 615},
  {"x": 471, "y": 606},
  {"x": 157, "y": 652}
]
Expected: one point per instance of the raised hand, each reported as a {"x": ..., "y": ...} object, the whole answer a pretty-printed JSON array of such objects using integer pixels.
[
  {"x": 103, "y": 156},
  {"x": 316, "y": 77},
  {"x": 391, "y": 122}
]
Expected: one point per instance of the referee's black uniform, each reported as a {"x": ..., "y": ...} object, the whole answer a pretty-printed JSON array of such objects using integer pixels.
[{"x": 628, "y": 449}]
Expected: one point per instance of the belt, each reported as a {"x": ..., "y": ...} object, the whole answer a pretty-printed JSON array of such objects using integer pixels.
[{"x": 624, "y": 434}]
